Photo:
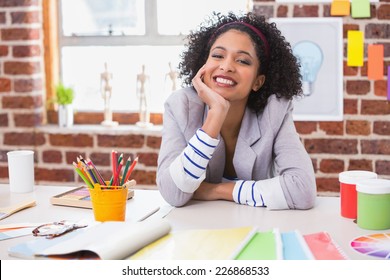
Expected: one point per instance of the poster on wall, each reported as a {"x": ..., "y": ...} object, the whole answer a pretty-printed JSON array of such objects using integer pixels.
[{"x": 318, "y": 45}]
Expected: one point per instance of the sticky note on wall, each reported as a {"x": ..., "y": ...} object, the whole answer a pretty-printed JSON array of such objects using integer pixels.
[
  {"x": 340, "y": 8},
  {"x": 355, "y": 49},
  {"x": 375, "y": 62},
  {"x": 360, "y": 8}
]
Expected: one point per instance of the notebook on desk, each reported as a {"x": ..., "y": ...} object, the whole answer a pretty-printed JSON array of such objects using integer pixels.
[{"x": 79, "y": 197}]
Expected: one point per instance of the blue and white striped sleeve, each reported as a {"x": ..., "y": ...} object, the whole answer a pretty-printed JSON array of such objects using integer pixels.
[
  {"x": 188, "y": 170},
  {"x": 263, "y": 193}
]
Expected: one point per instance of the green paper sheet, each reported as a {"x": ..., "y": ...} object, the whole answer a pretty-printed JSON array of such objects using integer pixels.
[{"x": 262, "y": 246}]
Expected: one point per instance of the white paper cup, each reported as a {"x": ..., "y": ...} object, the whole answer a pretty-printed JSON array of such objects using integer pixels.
[{"x": 21, "y": 171}]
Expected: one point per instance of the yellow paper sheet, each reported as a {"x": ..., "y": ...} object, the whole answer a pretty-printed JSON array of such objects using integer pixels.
[
  {"x": 216, "y": 244},
  {"x": 355, "y": 49},
  {"x": 340, "y": 8},
  {"x": 375, "y": 62}
]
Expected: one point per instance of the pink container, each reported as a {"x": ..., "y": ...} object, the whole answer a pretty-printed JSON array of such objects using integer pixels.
[{"x": 348, "y": 194}]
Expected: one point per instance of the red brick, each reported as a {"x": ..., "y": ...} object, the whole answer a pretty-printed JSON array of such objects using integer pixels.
[
  {"x": 156, "y": 118},
  {"x": 22, "y": 68},
  {"x": 350, "y": 106},
  {"x": 144, "y": 177},
  {"x": 377, "y": 31},
  {"x": 52, "y": 156},
  {"x": 83, "y": 118},
  {"x": 26, "y": 51},
  {"x": 358, "y": 87},
  {"x": 129, "y": 141},
  {"x": 54, "y": 175},
  {"x": 71, "y": 140},
  {"x": 360, "y": 164},
  {"x": 5, "y": 85},
  {"x": 24, "y": 139},
  {"x": 153, "y": 142},
  {"x": 148, "y": 159},
  {"x": 331, "y": 146},
  {"x": 22, "y": 102},
  {"x": 364, "y": 68},
  {"x": 3, "y": 51},
  {"x": 384, "y": 12},
  {"x": 3, "y": 18},
  {"x": 382, "y": 127},
  {"x": 17, "y": 34},
  {"x": 376, "y": 147},
  {"x": 358, "y": 127},
  {"x": 332, "y": 128},
  {"x": 282, "y": 11},
  {"x": 328, "y": 184},
  {"x": 101, "y": 159},
  {"x": 4, "y": 120},
  {"x": 28, "y": 120},
  {"x": 126, "y": 118},
  {"x": 27, "y": 85},
  {"x": 25, "y": 17},
  {"x": 375, "y": 107},
  {"x": 4, "y": 172},
  {"x": 305, "y": 127},
  {"x": 332, "y": 166},
  {"x": 380, "y": 88},
  {"x": 19, "y": 3},
  {"x": 382, "y": 167},
  {"x": 305, "y": 11}
]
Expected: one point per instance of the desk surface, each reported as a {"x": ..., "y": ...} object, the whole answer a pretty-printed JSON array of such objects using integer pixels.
[{"x": 325, "y": 216}]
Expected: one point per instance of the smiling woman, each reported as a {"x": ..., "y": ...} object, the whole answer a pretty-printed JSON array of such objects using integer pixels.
[{"x": 230, "y": 134}]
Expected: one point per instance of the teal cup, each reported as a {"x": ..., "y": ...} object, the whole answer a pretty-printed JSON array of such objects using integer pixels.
[{"x": 373, "y": 204}]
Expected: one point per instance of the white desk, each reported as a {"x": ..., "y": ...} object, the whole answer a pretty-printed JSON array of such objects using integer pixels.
[{"x": 325, "y": 216}]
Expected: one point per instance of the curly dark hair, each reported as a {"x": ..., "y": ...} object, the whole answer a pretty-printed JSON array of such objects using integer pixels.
[{"x": 280, "y": 66}]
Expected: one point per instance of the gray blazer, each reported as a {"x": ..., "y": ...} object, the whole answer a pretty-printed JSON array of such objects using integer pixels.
[{"x": 268, "y": 146}]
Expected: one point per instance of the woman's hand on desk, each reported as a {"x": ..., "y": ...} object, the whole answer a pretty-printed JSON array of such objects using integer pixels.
[{"x": 208, "y": 191}]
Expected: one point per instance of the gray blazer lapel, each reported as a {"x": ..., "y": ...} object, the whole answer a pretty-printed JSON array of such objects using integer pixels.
[{"x": 245, "y": 156}]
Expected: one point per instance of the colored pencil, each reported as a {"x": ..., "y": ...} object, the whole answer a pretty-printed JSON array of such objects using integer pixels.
[
  {"x": 96, "y": 171},
  {"x": 131, "y": 169},
  {"x": 89, "y": 184},
  {"x": 125, "y": 171},
  {"x": 116, "y": 180}
]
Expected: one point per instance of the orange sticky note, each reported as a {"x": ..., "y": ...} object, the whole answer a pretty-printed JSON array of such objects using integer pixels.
[
  {"x": 340, "y": 8},
  {"x": 355, "y": 49},
  {"x": 375, "y": 62}
]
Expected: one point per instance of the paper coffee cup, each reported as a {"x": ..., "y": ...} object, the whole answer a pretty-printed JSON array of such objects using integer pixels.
[
  {"x": 348, "y": 194},
  {"x": 21, "y": 171}
]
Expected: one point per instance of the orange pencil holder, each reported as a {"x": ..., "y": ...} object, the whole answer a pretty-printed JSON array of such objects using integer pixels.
[{"x": 108, "y": 204}]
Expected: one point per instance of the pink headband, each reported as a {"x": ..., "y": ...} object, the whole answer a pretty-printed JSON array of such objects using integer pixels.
[{"x": 254, "y": 29}]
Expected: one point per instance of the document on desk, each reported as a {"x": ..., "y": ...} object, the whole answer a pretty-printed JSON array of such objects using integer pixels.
[{"x": 124, "y": 240}]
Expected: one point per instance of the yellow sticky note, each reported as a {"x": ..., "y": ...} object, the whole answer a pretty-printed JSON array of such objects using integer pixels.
[
  {"x": 355, "y": 49},
  {"x": 360, "y": 8},
  {"x": 375, "y": 62},
  {"x": 340, "y": 8}
]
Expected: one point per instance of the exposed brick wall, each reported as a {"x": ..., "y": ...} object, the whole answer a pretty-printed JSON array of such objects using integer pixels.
[{"x": 360, "y": 141}]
